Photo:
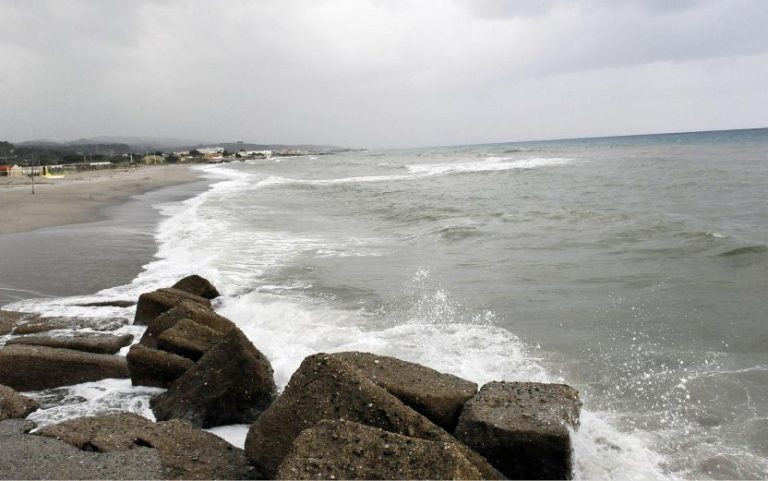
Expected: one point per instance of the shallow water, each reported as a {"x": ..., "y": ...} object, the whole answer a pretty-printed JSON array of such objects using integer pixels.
[{"x": 633, "y": 268}]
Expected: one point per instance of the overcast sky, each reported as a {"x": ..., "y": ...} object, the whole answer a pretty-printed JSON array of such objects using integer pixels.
[{"x": 380, "y": 73}]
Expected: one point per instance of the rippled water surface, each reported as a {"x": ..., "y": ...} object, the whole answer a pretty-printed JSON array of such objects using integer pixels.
[{"x": 634, "y": 268}]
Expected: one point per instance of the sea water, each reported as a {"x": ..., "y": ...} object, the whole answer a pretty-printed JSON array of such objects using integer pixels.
[{"x": 634, "y": 268}]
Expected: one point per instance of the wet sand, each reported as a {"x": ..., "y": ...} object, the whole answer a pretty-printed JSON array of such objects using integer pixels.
[
  {"x": 86, "y": 232},
  {"x": 79, "y": 197}
]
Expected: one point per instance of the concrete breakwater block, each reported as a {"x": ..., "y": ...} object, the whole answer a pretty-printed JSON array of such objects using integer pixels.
[
  {"x": 198, "y": 313},
  {"x": 10, "y": 319},
  {"x": 231, "y": 383},
  {"x": 522, "y": 428},
  {"x": 99, "y": 344},
  {"x": 436, "y": 395},
  {"x": 32, "y": 368},
  {"x": 27, "y": 456},
  {"x": 14, "y": 405},
  {"x": 213, "y": 374},
  {"x": 189, "y": 339},
  {"x": 35, "y": 325},
  {"x": 153, "y": 367},
  {"x": 152, "y": 304},
  {"x": 346, "y": 450},
  {"x": 184, "y": 451},
  {"x": 326, "y": 387},
  {"x": 197, "y": 285},
  {"x": 342, "y": 415},
  {"x": 115, "y": 303}
]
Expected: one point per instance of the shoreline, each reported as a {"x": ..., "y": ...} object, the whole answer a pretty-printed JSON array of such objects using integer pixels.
[
  {"x": 81, "y": 197},
  {"x": 97, "y": 243}
]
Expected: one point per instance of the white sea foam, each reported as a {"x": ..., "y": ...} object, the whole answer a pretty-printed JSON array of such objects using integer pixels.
[
  {"x": 603, "y": 452},
  {"x": 92, "y": 399},
  {"x": 196, "y": 236},
  {"x": 490, "y": 164},
  {"x": 420, "y": 171},
  {"x": 287, "y": 330},
  {"x": 234, "y": 434}
]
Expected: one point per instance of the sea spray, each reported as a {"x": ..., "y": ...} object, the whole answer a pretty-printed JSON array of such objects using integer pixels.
[{"x": 492, "y": 264}]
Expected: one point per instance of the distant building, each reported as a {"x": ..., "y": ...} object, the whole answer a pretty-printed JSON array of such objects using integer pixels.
[
  {"x": 214, "y": 157},
  {"x": 34, "y": 170},
  {"x": 10, "y": 171},
  {"x": 256, "y": 154},
  {"x": 211, "y": 150},
  {"x": 290, "y": 152},
  {"x": 153, "y": 159}
]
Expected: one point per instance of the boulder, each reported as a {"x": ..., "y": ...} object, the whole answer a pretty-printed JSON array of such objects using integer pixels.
[
  {"x": 184, "y": 451},
  {"x": 522, "y": 428},
  {"x": 189, "y": 339},
  {"x": 100, "y": 344},
  {"x": 14, "y": 405},
  {"x": 346, "y": 450},
  {"x": 184, "y": 310},
  {"x": 231, "y": 384},
  {"x": 197, "y": 285},
  {"x": 152, "y": 304},
  {"x": 26, "y": 456},
  {"x": 32, "y": 368},
  {"x": 152, "y": 367},
  {"x": 325, "y": 387},
  {"x": 436, "y": 395}
]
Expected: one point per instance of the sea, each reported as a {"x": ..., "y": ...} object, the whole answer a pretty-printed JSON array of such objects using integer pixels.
[{"x": 633, "y": 268}]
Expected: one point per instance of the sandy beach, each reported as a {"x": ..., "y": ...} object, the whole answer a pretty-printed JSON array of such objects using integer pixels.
[{"x": 79, "y": 197}]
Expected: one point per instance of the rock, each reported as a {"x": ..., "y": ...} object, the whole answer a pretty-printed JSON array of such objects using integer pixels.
[
  {"x": 25, "y": 456},
  {"x": 189, "y": 339},
  {"x": 152, "y": 367},
  {"x": 9, "y": 427},
  {"x": 184, "y": 310},
  {"x": 325, "y": 387},
  {"x": 32, "y": 368},
  {"x": 522, "y": 428},
  {"x": 119, "y": 303},
  {"x": 197, "y": 285},
  {"x": 36, "y": 324},
  {"x": 152, "y": 304},
  {"x": 14, "y": 405},
  {"x": 184, "y": 451},
  {"x": 231, "y": 384},
  {"x": 436, "y": 395},
  {"x": 346, "y": 450},
  {"x": 9, "y": 320},
  {"x": 100, "y": 344}
]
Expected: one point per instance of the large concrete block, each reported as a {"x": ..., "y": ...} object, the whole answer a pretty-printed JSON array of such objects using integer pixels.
[{"x": 522, "y": 428}]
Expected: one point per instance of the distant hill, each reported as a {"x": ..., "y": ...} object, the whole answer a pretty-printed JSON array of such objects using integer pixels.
[
  {"x": 237, "y": 146},
  {"x": 106, "y": 145},
  {"x": 142, "y": 143},
  {"x": 110, "y": 149}
]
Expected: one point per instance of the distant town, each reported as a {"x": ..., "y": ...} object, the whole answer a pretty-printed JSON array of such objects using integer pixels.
[{"x": 50, "y": 158}]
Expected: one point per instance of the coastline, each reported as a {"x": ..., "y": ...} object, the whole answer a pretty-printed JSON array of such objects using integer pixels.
[
  {"x": 81, "y": 197},
  {"x": 101, "y": 235}
]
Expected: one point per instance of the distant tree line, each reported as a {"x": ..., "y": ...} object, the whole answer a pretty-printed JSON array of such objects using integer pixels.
[
  {"x": 6, "y": 148},
  {"x": 53, "y": 154}
]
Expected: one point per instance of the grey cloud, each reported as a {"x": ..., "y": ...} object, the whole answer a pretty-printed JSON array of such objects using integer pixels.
[
  {"x": 361, "y": 72},
  {"x": 494, "y": 9},
  {"x": 500, "y": 9}
]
